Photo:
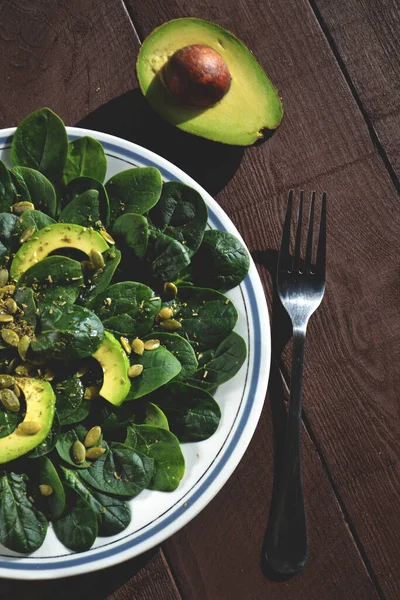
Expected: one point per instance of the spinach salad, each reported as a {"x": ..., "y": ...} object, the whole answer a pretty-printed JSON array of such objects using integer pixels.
[{"x": 114, "y": 335}]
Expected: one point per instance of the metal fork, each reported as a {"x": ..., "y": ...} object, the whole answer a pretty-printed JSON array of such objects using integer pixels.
[{"x": 300, "y": 286}]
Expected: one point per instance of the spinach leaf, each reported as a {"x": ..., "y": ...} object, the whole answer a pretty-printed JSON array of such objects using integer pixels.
[
  {"x": 134, "y": 231},
  {"x": 50, "y": 442},
  {"x": 181, "y": 349},
  {"x": 163, "y": 447},
  {"x": 64, "y": 445},
  {"x": 192, "y": 413},
  {"x": 114, "y": 418},
  {"x": 80, "y": 185},
  {"x": 33, "y": 218},
  {"x": 35, "y": 188},
  {"x": 80, "y": 414},
  {"x": 101, "y": 279},
  {"x": 40, "y": 142},
  {"x": 77, "y": 527},
  {"x": 221, "y": 262},
  {"x": 113, "y": 514},
  {"x": 221, "y": 364},
  {"x": 181, "y": 213},
  {"x": 55, "y": 280},
  {"x": 75, "y": 333},
  {"x": 69, "y": 395},
  {"x": 26, "y": 301},
  {"x": 134, "y": 191},
  {"x": 8, "y": 224},
  {"x": 83, "y": 210},
  {"x": 127, "y": 308},
  {"x": 159, "y": 367},
  {"x": 86, "y": 157},
  {"x": 22, "y": 527},
  {"x": 8, "y": 422},
  {"x": 119, "y": 471},
  {"x": 206, "y": 316},
  {"x": 147, "y": 413},
  {"x": 165, "y": 256},
  {"x": 7, "y": 193},
  {"x": 45, "y": 473}
]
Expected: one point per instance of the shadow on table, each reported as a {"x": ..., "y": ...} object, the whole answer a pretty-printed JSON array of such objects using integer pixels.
[
  {"x": 100, "y": 584},
  {"x": 281, "y": 332},
  {"x": 131, "y": 117}
]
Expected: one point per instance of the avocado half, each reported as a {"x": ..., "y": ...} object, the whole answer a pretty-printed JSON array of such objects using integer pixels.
[{"x": 251, "y": 105}]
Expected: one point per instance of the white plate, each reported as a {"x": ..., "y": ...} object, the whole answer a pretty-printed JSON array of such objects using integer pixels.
[{"x": 209, "y": 464}]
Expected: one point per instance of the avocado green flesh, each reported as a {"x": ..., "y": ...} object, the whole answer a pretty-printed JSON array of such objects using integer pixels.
[
  {"x": 40, "y": 405},
  {"x": 251, "y": 105},
  {"x": 51, "y": 238},
  {"x": 115, "y": 365}
]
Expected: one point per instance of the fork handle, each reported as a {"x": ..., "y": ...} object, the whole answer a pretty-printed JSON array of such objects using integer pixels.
[{"x": 286, "y": 543}]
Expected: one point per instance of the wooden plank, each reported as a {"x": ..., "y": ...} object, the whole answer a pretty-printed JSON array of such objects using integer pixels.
[
  {"x": 365, "y": 34},
  {"x": 144, "y": 578},
  {"x": 70, "y": 56},
  {"x": 351, "y": 374}
]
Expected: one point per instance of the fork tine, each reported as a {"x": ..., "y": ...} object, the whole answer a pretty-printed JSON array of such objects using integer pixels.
[
  {"x": 310, "y": 235},
  {"x": 321, "y": 250},
  {"x": 297, "y": 245},
  {"x": 284, "y": 261}
]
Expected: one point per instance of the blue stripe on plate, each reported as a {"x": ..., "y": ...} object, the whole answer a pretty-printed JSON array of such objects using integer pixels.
[{"x": 254, "y": 379}]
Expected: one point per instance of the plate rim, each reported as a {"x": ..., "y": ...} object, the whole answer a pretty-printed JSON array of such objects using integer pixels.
[{"x": 16, "y": 568}]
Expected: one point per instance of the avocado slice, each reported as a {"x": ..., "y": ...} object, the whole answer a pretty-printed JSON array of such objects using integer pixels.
[
  {"x": 51, "y": 238},
  {"x": 115, "y": 365},
  {"x": 250, "y": 106},
  {"x": 40, "y": 404}
]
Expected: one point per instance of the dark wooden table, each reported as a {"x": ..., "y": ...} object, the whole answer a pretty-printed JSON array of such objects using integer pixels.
[{"x": 336, "y": 64}]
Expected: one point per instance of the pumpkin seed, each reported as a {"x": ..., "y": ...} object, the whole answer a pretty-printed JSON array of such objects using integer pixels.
[
  {"x": 4, "y": 275},
  {"x": 45, "y": 490},
  {"x": 94, "y": 453},
  {"x": 78, "y": 452},
  {"x": 9, "y": 400},
  {"x": 13, "y": 363},
  {"x": 11, "y": 305},
  {"x": 170, "y": 289},
  {"x": 152, "y": 344},
  {"x": 106, "y": 236},
  {"x": 16, "y": 390},
  {"x": 7, "y": 290},
  {"x": 23, "y": 370},
  {"x": 96, "y": 258},
  {"x": 91, "y": 392},
  {"x": 125, "y": 344},
  {"x": 171, "y": 325},
  {"x": 29, "y": 427},
  {"x": 135, "y": 371},
  {"x": 6, "y": 381},
  {"x": 82, "y": 371},
  {"x": 23, "y": 346},
  {"x": 92, "y": 436},
  {"x": 165, "y": 313},
  {"x": 6, "y": 318},
  {"x": 138, "y": 346},
  {"x": 49, "y": 375},
  {"x": 27, "y": 234},
  {"x": 19, "y": 207},
  {"x": 10, "y": 337}
]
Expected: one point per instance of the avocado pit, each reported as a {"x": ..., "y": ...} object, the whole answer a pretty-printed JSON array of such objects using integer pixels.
[{"x": 197, "y": 75}]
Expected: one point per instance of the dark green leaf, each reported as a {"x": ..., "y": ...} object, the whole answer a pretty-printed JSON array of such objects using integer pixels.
[
  {"x": 77, "y": 527},
  {"x": 69, "y": 395},
  {"x": 163, "y": 447},
  {"x": 120, "y": 471},
  {"x": 50, "y": 442},
  {"x": 83, "y": 210},
  {"x": 134, "y": 231},
  {"x": 101, "y": 279},
  {"x": 75, "y": 332},
  {"x": 165, "y": 256},
  {"x": 113, "y": 514},
  {"x": 7, "y": 193},
  {"x": 8, "y": 422},
  {"x": 79, "y": 186},
  {"x": 134, "y": 191},
  {"x": 192, "y": 413},
  {"x": 131, "y": 311},
  {"x": 40, "y": 142},
  {"x": 181, "y": 349},
  {"x": 181, "y": 213},
  {"x": 86, "y": 158},
  {"x": 33, "y": 218},
  {"x": 64, "y": 445},
  {"x": 26, "y": 301},
  {"x": 22, "y": 527},
  {"x": 41, "y": 191},
  {"x": 45, "y": 473},
  {"x": 159, "y": 367}
]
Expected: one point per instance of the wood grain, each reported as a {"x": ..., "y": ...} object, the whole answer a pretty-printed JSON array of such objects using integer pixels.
[
  {"x": 365, "y": 33},
  {"x": 351, "y": 380}
]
